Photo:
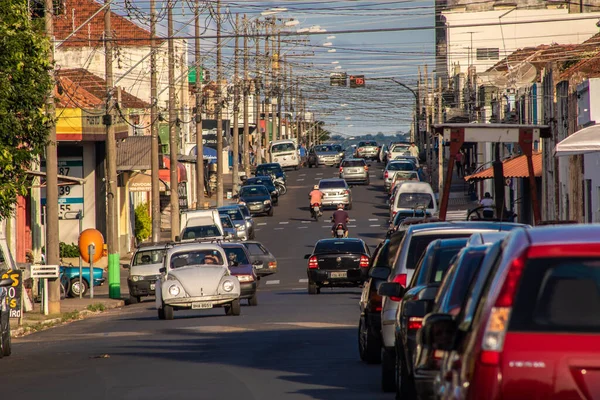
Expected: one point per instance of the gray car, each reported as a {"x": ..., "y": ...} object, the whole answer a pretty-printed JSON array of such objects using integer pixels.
[
  {"x": 249, "y": 220},
  {"x": 335, "y": 191},
  {"x": 324, "y": 154},
  {"x": 229, "y": 227},
  {"x": 367, "y": 149},
  {"x": 354, "y": 170},
  {"x": 235, "y": 213},
  {"x": 259, "y": 253},
  {"x": 392, "y": 168}
]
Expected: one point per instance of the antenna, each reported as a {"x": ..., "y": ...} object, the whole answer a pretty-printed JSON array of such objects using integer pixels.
[{"x": 521, "y": 75}]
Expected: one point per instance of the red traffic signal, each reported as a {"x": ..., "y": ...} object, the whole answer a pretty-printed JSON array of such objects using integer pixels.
[{"x": 357, "y": 81}]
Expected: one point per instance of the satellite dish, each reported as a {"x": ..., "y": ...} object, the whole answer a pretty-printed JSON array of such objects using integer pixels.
[
  {"x": 522, "y": 75},
  {"x": 493, "y": 78}
]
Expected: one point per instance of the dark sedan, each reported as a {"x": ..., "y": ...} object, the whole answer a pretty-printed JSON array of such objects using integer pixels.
[
  {"x": 264, "y": 262},
  {"x": 241, "y": 267},
  {"x": 337, "y": 263},
  {"x": 268, "y": 183},
  {"x": 270, "y": 168},
  {"x": 257, "y": 198}
]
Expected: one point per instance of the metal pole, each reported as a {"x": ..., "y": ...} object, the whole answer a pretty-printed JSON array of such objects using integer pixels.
[
  {"x": 92, "y": 252},
  {"x": 199, "y": 142},
  {"x": 173, "y": 137},
  {"x": 114, "y": 273},
  {"x": 155, "y": 153},
  {"x": 257, "y": 107},
  {"x": 280, "y": 86},
  {"x": 245, "y": 102},
  {"x": 80, "y": 217},
  {"x": 268, "y": 91},
  {"x": 219, "y": 111},
  {"x": 275, "y": 83},
  {"x": 236, "y": 109},
  {"x": 51, "y": 215}
]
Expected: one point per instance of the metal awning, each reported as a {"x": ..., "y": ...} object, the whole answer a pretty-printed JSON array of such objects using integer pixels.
[
  {"x": 66, "y": 180},
  {"x": 586, "y": 140}
]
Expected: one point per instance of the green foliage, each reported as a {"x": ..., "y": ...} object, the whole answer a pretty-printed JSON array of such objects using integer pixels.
[
  {"x": 98, "y": 307},
  {"x": 143, "y": 222},
  {"x": 24, "y": 86},
  {"x": 68, "y": 250}
]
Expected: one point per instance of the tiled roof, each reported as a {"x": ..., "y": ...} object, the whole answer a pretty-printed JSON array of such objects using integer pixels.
[
  {"x": 588, "y": 54},
  {"x": 70, "y": 95},
  {"x": 88, "y": 86},
  {"x": 515, "y": 167},
  {"x": 538, "y": 56},
  {"x": 76, "y": 12}
]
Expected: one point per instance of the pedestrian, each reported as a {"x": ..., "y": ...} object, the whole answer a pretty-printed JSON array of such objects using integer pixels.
[
  {"x": 460, "y": 167},
  {"x": 487, "y": 203},
  {"x": 302, "y": 153},
  {"x": 414, "y": 150}
]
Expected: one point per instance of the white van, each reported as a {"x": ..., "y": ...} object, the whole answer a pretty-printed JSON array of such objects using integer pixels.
[
  {"x": 201, "y": 225},
  {"x": 285, "y": 152},
  {"x": 411, "y": 195}
]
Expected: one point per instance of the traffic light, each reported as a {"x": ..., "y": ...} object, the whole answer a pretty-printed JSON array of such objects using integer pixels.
[
  {"x": 357, "y": 81},
  {"x": 338, "y": 79}
]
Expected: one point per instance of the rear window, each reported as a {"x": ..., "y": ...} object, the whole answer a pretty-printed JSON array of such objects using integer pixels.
[
  {"x": 236, "y": 255},
  {"x": 382, "y": 256},
  {"x": 558, "y": 295},
  {"x": 418, "y": 244},
  {"x": 332, "y": 184},
  {"x": 339, "y": 246},
  {"x": 147, "y": 257},
  {"x": 255, "y": 249},
  {"x": 464, "y": 277},
  {"x": 233, "y": 214},
  {"x": 354, "y": 163},
  {"x": 196, "y": 232},
  {"x": 401, "y": 166},
  {"x": 411, "y": 200}
]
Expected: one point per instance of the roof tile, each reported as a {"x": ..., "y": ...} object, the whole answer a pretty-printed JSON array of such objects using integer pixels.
[{"x": 515, "y": 167}]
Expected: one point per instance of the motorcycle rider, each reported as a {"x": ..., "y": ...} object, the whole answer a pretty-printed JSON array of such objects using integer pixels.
[
  {"x": 316, "y": 197},
  {"x": 340, "y": 217}
]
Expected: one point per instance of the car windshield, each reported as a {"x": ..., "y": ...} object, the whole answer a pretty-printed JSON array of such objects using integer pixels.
[
  {"x": 338, "y": 184},
  {"x": 362, "y": 144},
  {"x": 268, "y": 169},
  {"x": 233, "y": 213},
  {"x": 145, "y": 257},
  {"x": 353, "y": 163},
  {"x": 418, "y": 244},
  {"x": 412, "y": 200},
  {"x": 196, "y": 257},
  {"x": 236, "y": 255},
  {"x": 226, "y": 222},
  {"x": 276, "y": 148},
  {"x": 339, "y": 246},
  {"x": 324, "y": 148},
  {"x": 268, "y": 183},
  {"x": 401, "y": 166},
  {"x": 406, "y": 176},
  {"x": 198, "y": 232},
  {"x": 249, "y": 191}
]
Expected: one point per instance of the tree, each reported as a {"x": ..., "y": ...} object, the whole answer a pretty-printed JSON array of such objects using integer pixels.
[{"x": 24, "y": 86}]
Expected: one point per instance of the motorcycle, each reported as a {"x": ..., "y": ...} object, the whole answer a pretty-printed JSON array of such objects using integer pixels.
[
  {"x": 279, "y": 185},
  {"x": 315, "y": 211},
  {"x": 340, "y": 231}
]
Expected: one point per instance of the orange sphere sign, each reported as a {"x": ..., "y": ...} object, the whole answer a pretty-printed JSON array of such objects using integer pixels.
[{"x": 87, "y": 237}]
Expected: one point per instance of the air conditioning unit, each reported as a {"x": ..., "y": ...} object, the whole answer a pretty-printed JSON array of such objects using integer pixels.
[{"x": 588, "y": 102}]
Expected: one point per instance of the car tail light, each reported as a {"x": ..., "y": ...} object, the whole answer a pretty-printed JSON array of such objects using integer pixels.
[
  {"x": 401, "y": 279},
  {"x": 375, "y": 301},
  {"x": 313, "y": 263},
  {"x": 341, "y": 169},
  {"x": 497, "y": 324},
  {"x": 364, "y": 262},
  {"x": 272, "y": 264},
  {"x": 386, "y": 174},
  {"x": 366, "y": 168},
  {"x": 415, "y": 323},
  {"x": 438, "y": 354}
]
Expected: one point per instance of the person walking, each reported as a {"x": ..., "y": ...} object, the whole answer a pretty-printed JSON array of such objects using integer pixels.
[
  {"x": 460, "y": 166},
  {"x": 487, "y": 203},
  {"x": 414, "y": 150}
]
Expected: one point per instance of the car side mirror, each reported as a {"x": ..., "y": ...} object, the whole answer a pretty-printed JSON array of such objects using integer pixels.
[
  {"x": 162, "y": 270},
  {"x": 125, "y": 266},
  {"x": 438, "y": 332},
  {"x": 391, "y": 289},
  {"x": 178, "y": 238},
  {"x": 6, "y": 282},
  {"x": 306, "y": 256},
  {"x": 380, "y": 273}
]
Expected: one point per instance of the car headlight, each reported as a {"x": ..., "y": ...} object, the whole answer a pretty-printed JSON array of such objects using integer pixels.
[
  {"x": 245, "y": 278},
  {"x": 228, "y": 286},
  {"x": 241, "y": 228},
  {"x": 174, "y": 290},
  {"x": 136, "y": 278},
  {"x": 267, "y": 202}
]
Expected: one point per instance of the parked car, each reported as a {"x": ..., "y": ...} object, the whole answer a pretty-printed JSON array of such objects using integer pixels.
[
  {"x": 367, "y": 149},
  {"x": 324, "y": 154},
  {"x": 355, "y": 170},
  {"x": 404, "y": 214},
  {"x": 257, "y": 198},
  {"x": 390, "y": 171},
  {"x": 264, "y": 262},
  {"x": 249, "y": 221},
  {"x": 542, "y": 295},
  {"x": 335, "y": 191},
  {"x": 369, "y": 324},
  {"x": 69, "y": 276},
  {"x": 144, "y": 270},
  {"x": 416, "y": 239},
  {"x": 398, "y": 149},
  {"x": 337, "y": 263},
  {"x": 236, "y": 214},
  {"x": 271, "y": 168},
  {"x": 241, "y": 267},
  {"x": 268, "y": 183},
  {"x": 196, "y": 276},
  {"x": 411, "y": 196}
]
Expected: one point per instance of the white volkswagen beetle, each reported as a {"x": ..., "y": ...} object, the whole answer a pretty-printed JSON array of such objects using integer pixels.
[{"x": 195, "y": 276}]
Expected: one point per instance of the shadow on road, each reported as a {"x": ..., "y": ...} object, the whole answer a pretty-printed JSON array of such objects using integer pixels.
[{"x": 380, "y": 235}]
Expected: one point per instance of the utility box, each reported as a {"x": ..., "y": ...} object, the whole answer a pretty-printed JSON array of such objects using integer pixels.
[{"x": 588, "y": 102}]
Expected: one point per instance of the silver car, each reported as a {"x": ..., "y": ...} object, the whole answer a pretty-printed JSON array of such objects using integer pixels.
[
  {"x": 229, "y": 227},
  {"x": 196, "y": 276},
  {"x": 354, "y": 170},
  {"x": 368, "y": 149},
  {"x": 239, "y": 221},
  {"x": 335, "y": 191},
  {"x": 325, "y": 154},
  {"x": 249, "y": 221},
  {"x": 392, "y": 168}
]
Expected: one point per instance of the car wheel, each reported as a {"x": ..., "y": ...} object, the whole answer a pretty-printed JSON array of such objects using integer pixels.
[
  {"x": 404, "y": 387},
  {"x": 5, "y": 341},
  {"x": 168, "y": 310},
  {"x": 234, "y": 308},
  {"x": 134, "y": 299},
  {"x": 161, "y": 313},
  {"x": 349, "y": 206},
  {"x": 270, "y": 213},
  {"x": 313, "y": 288},
  {"x": 388, "y": 371},
  {"x": 74, "y": 287},
  {"x": 309, "y": 165},
  {"x": 253, "y": 301},
  {"x": 369, "y": 346}
]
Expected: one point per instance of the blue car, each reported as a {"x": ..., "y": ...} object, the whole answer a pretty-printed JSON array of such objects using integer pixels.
[{"x": 69, "y": 278}]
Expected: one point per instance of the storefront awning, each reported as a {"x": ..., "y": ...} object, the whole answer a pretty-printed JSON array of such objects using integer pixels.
[
  {"x": 586, "y": 140},
  {"x": 209, "y": 153},
  {"x": 515, "y": 167},
  {"x": 165, "y": 174}
]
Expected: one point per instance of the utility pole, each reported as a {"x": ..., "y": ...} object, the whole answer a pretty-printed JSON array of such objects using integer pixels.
[
  {"x": 257, "y": 107},
  {"x": 52, "y": 238},
  {"x": 426, "y": 145},
  {"x": 268, "y": 91},
  {"x": 440, "y": 120},
  {"x": 417, "y": 137},
  {"x": 199, "y": 142},
  {"x": 280, "y": 86},
  {"x": 112, "y": 216},
  {"x": 236, "y": 107},
  {"x": 219, "y": 111},
  {"x": 245, "y": 106},
  {"x": 173, "y": 136},
  {"x": 275, "y": 80},
  {"x": 154, "y": 165}
]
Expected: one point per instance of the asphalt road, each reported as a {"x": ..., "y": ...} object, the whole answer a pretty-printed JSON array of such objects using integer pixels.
[{"x": 292, "y": 346}]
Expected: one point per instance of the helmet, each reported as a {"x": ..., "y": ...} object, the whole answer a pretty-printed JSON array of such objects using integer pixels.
[
  {"x": 340, "y": 206},
  {"x": 316, "y": 187}
]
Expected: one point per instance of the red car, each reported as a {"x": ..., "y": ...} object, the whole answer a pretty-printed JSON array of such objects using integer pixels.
[{"x": 533, "y": 331}]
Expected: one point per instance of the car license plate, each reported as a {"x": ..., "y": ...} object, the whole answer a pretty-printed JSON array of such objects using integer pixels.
[
  {"x": 201, "y": 305},
  {"x": 343, "y": 274},
  {"x": 255, "y": 207},
  {"x": 152, "y": 286}
]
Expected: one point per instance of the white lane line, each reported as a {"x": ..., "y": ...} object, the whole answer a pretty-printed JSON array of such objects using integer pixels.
[
  {"x": 303, "y": 227},
  {"x": 303, "y": 280},
  {"x": 352, "y": 220},
  {"x": 317, "y": 179},
  {"x": 272, "y": 282},
  {"x": 300, "y": 180},
  {"x": 373, "y": 219},
  {"x": 278, "y": 229},
  {"x": 287, "y": 222},
  {"x": 261, "y": 224},
  {"x": 306, "y": 222},
  {"x": 319, "y": 173},
  {"x": 351, "y": 226},
  {"x": 373, "y": 226},
  {"x": 301, "y": 174}
]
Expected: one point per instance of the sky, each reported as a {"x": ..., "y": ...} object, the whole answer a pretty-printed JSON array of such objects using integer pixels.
[{"x": 381, "y": 106}]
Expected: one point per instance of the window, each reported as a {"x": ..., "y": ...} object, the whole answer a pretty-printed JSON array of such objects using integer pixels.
[
  {"x": 234, "y": 214},
  {"x": 401, "y": 166},
  {"x": 255, "y": 249},
  {"x": 148, "y": 257},
  {"x": 254, "y": 191},
  {"x": 339, "y": 246},
  {"x": 353, "y": 163},
  {"x": 488, "y": 53},
  {"x": 277, "y": 148},
  {"x": 236, "y": 255},
  {"x": 198, "y": 257},
  {"x": 338, "y": 184},
  {"x": 197, "y": 232},
  {"x": 411, "y": 200},
  {"x": 226, "y": 222}
]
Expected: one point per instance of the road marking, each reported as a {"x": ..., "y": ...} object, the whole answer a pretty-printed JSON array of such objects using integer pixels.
[
  {"x": 351, "y": 226},
  {"x": 319, "y": 173},
  {"x": 306, "y": 222},
  {"x": 352, "y": 220},
  {"x": 373, "y": 219},
  {"x": 326, "y": 226},
  {"x": 284, "y": 223},
  {"x": 303, "y": 280},
  {"x": 261, "y": 224},
  {"x": 317, "y": 178},
  {"x": 301, "y": 174},
  {"x": 278, "y": 229},
  {"x": 300, "y": 180},
  {"x": 216, "y": 329},
  {"x": 373, "y": 226},
  {"x": 303, "y": 227},
  {"x": 272, "y": 282}
]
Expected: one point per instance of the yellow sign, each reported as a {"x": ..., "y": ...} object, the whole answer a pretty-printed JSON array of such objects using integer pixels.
[{"x": 76, "y": 124}]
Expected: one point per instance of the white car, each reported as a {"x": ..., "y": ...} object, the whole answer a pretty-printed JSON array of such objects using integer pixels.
[{"x": 196, "y": 276}]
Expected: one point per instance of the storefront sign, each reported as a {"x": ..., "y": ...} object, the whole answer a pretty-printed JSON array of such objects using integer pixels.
[
  {"x": 70, "y": 197},
  {"x": 14, "y": 292}
]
